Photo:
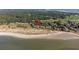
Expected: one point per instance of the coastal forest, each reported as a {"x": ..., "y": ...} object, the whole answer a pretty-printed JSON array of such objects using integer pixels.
[{"x": 40, "y": 19}]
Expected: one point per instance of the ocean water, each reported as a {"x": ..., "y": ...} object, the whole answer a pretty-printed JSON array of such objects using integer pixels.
[{"x": 12, "y": 43}]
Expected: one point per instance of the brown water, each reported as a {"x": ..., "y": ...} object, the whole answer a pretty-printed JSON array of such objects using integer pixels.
[{"x": 12, "y": 43}]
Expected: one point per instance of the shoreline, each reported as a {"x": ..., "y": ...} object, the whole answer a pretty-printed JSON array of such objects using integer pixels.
[{"x": 56, "y": 35}]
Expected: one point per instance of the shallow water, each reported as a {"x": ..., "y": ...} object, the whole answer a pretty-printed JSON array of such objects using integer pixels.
[{"x": 12, "y": 43}]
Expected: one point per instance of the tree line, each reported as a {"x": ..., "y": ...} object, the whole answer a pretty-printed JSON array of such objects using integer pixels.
[{"x": 59, "y": 20}]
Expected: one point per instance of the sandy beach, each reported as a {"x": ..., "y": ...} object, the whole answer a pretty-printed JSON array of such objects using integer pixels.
[
  {"x": 37, "y": 33},
  {"x": 53, "y": 35}
]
